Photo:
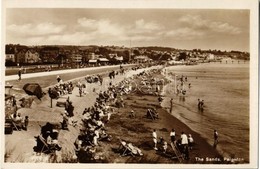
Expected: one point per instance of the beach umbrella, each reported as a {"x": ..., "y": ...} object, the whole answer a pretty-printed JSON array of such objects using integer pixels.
[{"x": 33, "y": 89}]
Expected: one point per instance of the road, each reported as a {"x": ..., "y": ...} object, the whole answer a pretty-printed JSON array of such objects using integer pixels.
[{"x": 46, "y": 79}]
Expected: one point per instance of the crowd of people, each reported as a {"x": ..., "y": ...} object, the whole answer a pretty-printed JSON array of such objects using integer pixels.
[
  {"x": 60, "y": 89},
  {"x": 184, "y": 144},
  {"x": 96, "y": 117}
]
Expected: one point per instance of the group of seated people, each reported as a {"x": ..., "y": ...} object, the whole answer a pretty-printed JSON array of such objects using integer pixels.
[
  {"x": 95, "y": 118},
  {"x": 124, "y": 87},
  {"x": 19, "y": 122},
  {"x": 67, "y": 116},
  {"x": 94, "y": 78},
  {"x": 61, "y": 89}
]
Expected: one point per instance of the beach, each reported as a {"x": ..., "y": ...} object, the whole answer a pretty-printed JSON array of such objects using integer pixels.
[
  {"x": 225, "y": 90},
  {"x": 137, "y": 130}
]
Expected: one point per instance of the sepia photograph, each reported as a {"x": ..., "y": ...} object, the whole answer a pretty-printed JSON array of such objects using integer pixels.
[{"x": 129, "y": 83}]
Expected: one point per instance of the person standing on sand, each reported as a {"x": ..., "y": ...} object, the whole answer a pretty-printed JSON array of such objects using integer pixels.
[
  {"x": 173, "y": 135},
  {"x": 20, "y": 74},
  {"x": 58, "y": 79},
  {"x": 184, "y": 144},
  {"x": 199, "y": 103},
  {"x": 215, "y": 138},
  {"x": 171, "y": 102},
  {"x": 154, "y": 134}
]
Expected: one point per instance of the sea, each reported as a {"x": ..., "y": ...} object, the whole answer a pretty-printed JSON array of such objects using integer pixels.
[{"x": 224, "y": 87}]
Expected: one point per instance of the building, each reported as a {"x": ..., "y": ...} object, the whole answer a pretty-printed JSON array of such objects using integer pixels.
[
  {"x": 91, "y": 56},
  {"x": 76, "y": 58},
  {"x": 20, "y": 56},
  {"x": 31, "y": 56},
  {"x": 49, "y": 55},
  {"x": 142, "y": 59}
]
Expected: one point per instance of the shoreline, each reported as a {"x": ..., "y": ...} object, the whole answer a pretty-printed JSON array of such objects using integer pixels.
[{"x": 181, "y": 112}]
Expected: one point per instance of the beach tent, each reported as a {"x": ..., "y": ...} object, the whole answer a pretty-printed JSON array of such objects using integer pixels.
[{"x": 33, "y": 89}]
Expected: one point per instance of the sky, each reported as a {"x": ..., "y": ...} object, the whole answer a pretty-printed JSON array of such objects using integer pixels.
[{"x": 177, "y": 28}]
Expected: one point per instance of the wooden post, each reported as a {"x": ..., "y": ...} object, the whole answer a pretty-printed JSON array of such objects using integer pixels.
[{"x": 51, "y": 102}]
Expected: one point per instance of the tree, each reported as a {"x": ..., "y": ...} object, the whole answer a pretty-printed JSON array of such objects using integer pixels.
[
  {"x": 136, "y": 52},
  {"x": 103, "y": 51},
  {"x": 61, "y": 58},
  {"x": 125, "y": 55},
  {"x": 182, "y": 56},
  {"x": 10, "y": 63}
]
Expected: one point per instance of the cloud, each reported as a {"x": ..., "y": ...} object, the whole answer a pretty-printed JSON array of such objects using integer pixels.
[
  {"x": 103, "y": 26},
  {"x": 185, "y": 33},
  {"x": 224, "y": 28},
  {"x": 105, "y": 29},
  {"x": 196, "y": 22},
  {"x": 141, "y": 25},
  {"x": 69, "y": 38},
  {"x": 35, "y": 29}
]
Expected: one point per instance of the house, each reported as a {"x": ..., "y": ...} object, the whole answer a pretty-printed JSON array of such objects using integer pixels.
[
  {"x": 20, "y": 56},
  {"x": 31, "y": 56}
]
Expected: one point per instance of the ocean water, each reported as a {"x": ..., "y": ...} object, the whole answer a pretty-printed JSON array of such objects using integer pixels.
[{"x": 225, "y": 91}]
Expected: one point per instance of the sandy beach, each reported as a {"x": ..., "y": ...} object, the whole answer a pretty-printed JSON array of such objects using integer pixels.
[{"x": 137, "y": 130}]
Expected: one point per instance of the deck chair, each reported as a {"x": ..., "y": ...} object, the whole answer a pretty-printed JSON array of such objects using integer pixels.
[
  {"x": 124, "y": 149},
  {"x": 45, "y": 148},
  {"x": 13, "y": 123},
  {"x": 15, "y": 126},
  {"x": 177, "y": 152},
  {"x": 135, "y": 150},
  {"x": 151, "y": 114},
  {"x": 60, "y": 104}
]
